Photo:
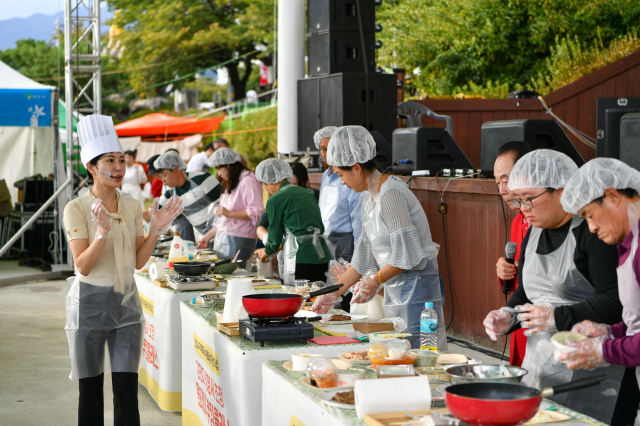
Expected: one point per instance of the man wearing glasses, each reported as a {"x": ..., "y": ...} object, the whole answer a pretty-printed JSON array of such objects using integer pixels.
[
  {"x": 508, "y": 156},
  {"x": 565, "y": 275}
]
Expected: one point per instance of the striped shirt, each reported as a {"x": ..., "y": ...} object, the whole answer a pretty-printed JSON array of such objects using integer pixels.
[{"x": 199, "y": 191}]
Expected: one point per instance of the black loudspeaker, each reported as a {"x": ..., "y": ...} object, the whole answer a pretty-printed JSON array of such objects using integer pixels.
[
  {"x": 339, "y": 100},
  {"x": 428, "y": 148},
  {"x": 609, "y": 111},
  {"x": 35, "y": 193},
  {"x": 541, "y": 134},
  {"x": 630, "y": 140},
  {"x": 339, "y": 15},
  {"x": 384, "y": 152},
  {"x": 335, "y": 52}
]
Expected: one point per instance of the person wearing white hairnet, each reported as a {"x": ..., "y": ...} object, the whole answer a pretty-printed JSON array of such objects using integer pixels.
[
  {"x": 565, "y": 275},
  {"x": 197, "y": 190},
  {"x": 295, "y": 217},
  {"x": 605, "y": 192},
  {"x": 395, "y": 248},
  {"x": 340, "y": 206},
  {"x": 106, "y": 239},
  {"x": 241, "y": 207}
]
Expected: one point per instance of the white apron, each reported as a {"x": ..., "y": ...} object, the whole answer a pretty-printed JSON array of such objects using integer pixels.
[
  {"x": 105, "y": 324},
  {"x": 406, "y": 293},
  {"x": 628, "y": 288},
  {"x": 554, "y": 280},
  {"x": 131, "y": 183}
]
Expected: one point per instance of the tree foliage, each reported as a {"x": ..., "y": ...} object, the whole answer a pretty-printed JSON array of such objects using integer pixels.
[
  {"x": 36, "y": 60},
  {"x": 449, "y": 44},
  {"x": 191, "y": 35}
]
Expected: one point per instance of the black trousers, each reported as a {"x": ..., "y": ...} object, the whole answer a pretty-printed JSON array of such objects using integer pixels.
[
  {"x": 125, "y": 400},
  {"x": 628, "y": 400}
]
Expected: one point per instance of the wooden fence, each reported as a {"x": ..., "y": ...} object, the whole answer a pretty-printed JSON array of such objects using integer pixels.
[{"x": 574, "y": 103}]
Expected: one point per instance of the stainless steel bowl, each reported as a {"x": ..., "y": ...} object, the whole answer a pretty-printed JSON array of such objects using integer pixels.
[{"x": 484, "y": 373}]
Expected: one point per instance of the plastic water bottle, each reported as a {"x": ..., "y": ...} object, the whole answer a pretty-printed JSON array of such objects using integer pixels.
[{"x": 429, "y": 328}]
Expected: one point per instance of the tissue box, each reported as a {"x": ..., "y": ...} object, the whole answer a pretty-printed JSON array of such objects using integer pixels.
[{"x": 372, "y": 327}]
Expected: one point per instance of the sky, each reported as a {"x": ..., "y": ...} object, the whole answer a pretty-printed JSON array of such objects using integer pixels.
[{"x": 24, "y": 8}]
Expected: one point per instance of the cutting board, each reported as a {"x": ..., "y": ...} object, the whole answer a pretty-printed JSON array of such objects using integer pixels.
[
  {"x": 336, "y": 330},
  {"x": 161, "y": 283},
  {"x": 391, "y": 419},
  {"x": 333, "y": 340}
]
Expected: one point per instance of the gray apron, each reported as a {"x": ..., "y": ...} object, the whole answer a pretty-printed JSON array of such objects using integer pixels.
[
  {"x": 628, "y": 288},
  {"x": 225, "y": 246},
  {"x": 554, "y": 280},
  {"x": 406, "y": 293}
]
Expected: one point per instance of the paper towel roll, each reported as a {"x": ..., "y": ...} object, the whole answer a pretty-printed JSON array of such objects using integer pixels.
[
  {"x": 390, "y": 395},
  {"x": 233, "y": 309},
  {"x": 156, "y": 270}
]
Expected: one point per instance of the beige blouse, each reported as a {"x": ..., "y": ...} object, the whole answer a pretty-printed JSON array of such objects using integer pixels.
[{"x": 117, "y": 261}]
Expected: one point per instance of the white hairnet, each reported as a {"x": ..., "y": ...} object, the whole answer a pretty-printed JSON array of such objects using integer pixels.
[
  {"x": 350, "y": 145},
  {"x": 223, "y": 157},
  {"x": 590, "y": 181},
  {"x": 273, "y": 170},
  {"x": 169, "y": 161},
  {"x": 325, "y": 132},
  {"x": 542, "y": 168}
]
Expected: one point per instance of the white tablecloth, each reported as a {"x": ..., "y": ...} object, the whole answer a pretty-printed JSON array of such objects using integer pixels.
[
  {"x": 161, "y": 363},
  {"x": 222, "y": 375},
  {"x": 286, "y": 404}
]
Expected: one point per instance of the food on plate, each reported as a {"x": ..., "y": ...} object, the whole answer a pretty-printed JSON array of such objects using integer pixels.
[
  {"x": 397, "y": 349},
  {"x": 347, "y": 397},
  {"x": 330, "y": 381},
  {"x": 356, "y": 356},
  {"x": 299, "y": 290},
  {"x": 339, "y": 317}
]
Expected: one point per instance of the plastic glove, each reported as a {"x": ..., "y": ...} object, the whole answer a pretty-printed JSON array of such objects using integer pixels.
[
  {"x": 588, "y": 354},
  {"x": 324, "y": 302},
  {"x": 536, "y": 318},
  {"x": 265, "y": 238},
  {"x": 365, "y": 289},
  {"x": 100, "y": 217},
  {"x": 499, "y": 322},
  {"x": 337, "y": 270},
  {"x": 203, "y": 242},
  {"x": 161, "y": 219},
  {"x": 593, "y": 329}
]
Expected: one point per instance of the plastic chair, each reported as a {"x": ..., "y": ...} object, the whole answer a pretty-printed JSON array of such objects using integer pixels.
[{"x": 413, "y": 113}]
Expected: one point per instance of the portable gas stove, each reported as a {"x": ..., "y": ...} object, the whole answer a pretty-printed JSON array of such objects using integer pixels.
[
  {"x": 181, "y": 282},
  {"x": 276, "y": 329}
]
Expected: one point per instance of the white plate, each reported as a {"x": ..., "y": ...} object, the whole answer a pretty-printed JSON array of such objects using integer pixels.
[
  {"x": 305, "y": 314},
  {"x": 354, "y": 361},
  {"x": 353, "y": 318},
  {"x": 307, "y": 382},
  {"x": 326, "y": 398}
]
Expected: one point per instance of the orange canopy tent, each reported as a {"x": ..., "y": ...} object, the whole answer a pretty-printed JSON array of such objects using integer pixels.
[{"x": 162, "y": 125}]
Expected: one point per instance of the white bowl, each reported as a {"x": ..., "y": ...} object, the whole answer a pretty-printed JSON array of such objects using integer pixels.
[
  {"x": 558, "y": 340},
  {"x": 349, "y": 377},
  {"x": 300, "y": 361}
]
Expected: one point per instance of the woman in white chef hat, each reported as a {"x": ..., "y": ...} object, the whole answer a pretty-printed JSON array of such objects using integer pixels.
[{"x": 104, "y": 229}]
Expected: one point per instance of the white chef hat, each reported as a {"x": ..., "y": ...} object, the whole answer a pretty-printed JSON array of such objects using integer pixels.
[
  {"x": 97, "y": 136},
  {"x": 542, "y": 168},
  {"x": 350, "y": 145},
  {"x": 325, "y": 132},
  {"x": 223, "y": 157},
  {"x": 592, "y": 179}
]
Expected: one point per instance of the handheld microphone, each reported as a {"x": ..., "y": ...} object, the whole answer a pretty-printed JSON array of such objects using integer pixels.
[{"x": 509, "y": 254}]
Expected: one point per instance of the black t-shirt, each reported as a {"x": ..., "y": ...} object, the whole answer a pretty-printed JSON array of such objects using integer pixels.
[{"x": 596, "y": 261}]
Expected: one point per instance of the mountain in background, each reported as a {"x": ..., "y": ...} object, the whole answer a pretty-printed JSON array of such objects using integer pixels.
[{"x": 37, "y": 27}]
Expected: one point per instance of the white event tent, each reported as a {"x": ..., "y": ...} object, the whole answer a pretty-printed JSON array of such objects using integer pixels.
[{"x": 27, "y": 134}]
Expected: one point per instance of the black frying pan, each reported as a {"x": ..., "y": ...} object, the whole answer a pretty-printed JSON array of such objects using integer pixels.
[{"x": 196, "y": 269}]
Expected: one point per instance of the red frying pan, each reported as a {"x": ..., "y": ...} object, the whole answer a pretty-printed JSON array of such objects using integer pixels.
[
  {"x": 504, "y": 404},
  {"x": 278, "y": 305}
]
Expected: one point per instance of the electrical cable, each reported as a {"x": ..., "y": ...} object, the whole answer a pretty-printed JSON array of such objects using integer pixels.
[
  {"x": 504, "y": 216},
  {"x": 472, "y": 346},
  {"x": 583, "y": 137},
  {"x": 446, "y": 256}
]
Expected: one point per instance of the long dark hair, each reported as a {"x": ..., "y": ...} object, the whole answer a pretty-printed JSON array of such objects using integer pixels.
[
  {"x": 95, "y": 163},
  {"x": 300, "y": 172},
  {"x": 235, "y": 170}
]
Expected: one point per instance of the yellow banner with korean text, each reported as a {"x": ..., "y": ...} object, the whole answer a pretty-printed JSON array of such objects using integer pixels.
[
  {"x": 208, "y": 355},
  {"x": 147, "y": 304}
]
